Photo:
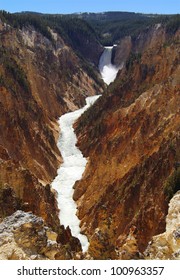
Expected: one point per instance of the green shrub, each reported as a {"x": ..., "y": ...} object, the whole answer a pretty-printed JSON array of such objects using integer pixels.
[
  {"x": 132, "y": 58},
  {"x": 1, "y": 81},
  {"x": 172, "y": 185},
  {"x": 18, "y": 74},
  {"x": 13, "y": 74}
]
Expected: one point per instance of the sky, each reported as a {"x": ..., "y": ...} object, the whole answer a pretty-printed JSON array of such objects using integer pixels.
[{"x": 76, "y": 6}]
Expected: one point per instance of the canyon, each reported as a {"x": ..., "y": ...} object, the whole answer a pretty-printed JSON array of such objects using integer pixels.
[{"x": 129, "y": 137}]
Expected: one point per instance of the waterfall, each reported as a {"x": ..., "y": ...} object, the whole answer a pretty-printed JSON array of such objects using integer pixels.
[
  {"x": 70, "y": 171},
  {"x": 107, "y": 69}
]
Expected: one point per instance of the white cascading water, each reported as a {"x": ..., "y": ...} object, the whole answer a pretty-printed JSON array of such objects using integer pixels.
[
  {"x": 73, "y": 161},
  {"x": 70, "y": 171},
  {"x": 107, "y": 69}
]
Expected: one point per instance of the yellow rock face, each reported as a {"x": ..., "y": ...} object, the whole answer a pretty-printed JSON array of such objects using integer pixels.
[
  {"x": 167, "y": 244},
  {"x": 131, "y": 140}
]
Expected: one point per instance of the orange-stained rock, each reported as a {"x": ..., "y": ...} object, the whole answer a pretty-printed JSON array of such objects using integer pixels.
[
  {"x": 131, "y": 139},
  {"x": 39, "y": 81}
]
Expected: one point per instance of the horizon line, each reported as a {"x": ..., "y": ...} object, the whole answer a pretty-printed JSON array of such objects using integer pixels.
[{"x": 85, "y": 12}]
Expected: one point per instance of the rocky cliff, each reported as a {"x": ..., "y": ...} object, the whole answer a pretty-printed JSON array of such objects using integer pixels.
[
  {"x": 167, "y": 244},
  {"x": 151, "y": 37},
  {"x": 41, "y": 77},
  {"x": 24, "y": 236},
  {"x": 131, "y": 139}
]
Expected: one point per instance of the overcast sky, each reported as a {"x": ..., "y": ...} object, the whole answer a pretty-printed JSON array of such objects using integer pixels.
[{"x": 74, "y": 6}]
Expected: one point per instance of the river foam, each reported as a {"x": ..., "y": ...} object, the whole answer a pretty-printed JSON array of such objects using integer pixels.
[{"x": 70, "y": 171}]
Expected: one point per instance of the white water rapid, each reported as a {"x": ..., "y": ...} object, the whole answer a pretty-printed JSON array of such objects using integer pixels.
[
  {"x": 70, "y": 171},
  {"x": 107, "y": 69}
]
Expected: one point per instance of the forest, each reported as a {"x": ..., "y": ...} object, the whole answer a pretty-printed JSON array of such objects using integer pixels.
[{"x": 107, "y": 27}]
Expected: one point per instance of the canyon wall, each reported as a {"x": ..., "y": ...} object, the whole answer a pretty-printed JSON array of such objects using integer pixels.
[
  {"x": 40, "y": 79},
  {"x": 166, "y": 245},
  {"x": 131, "y": 139}
]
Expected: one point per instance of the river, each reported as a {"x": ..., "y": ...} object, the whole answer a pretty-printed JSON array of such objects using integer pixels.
[
  {"x": 74, "y": 163},
  {"x": 70, "y": 171}
]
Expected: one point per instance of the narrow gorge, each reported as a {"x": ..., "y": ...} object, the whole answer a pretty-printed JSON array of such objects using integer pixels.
[
  {"x": 74, "y": 164},
  {"x": 89, "y": 136}
]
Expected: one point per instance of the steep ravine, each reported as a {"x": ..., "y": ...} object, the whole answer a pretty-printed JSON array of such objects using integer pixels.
[
  {"x": 55, "y": 81},
  {"x": 130, "y": 138},
  {"x": 40, "y": 80},
  {"x": 73, "y": 161}
]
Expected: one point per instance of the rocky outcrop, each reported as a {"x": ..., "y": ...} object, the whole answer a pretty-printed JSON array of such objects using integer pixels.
[
  {"x": 19, "y": 189},
  {"x": 122, "y": 51},
  {"x": 167, "y": 244},
  {"x": 24, "y": 236},
  {"x": 130, "y": 137},
  {"x": 152, "y": 37}
]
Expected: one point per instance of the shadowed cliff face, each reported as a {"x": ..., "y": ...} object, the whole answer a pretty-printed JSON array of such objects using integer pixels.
[
  {"x": 132, "y": 142},
  {"x": 150, "y": 38}
]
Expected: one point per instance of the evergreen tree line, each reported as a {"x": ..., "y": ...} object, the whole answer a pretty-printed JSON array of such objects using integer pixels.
[{"x": 108, "y": 27}]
